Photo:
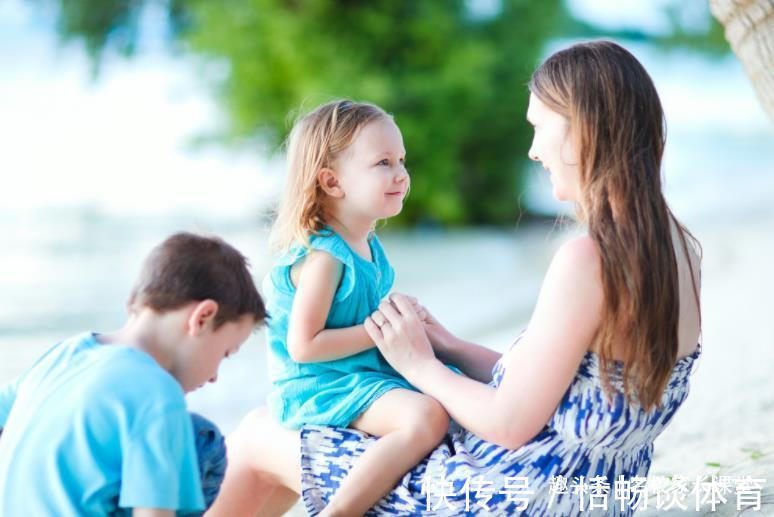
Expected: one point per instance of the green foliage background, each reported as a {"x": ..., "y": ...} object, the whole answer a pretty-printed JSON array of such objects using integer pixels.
[{"x": 454, "y": 78}]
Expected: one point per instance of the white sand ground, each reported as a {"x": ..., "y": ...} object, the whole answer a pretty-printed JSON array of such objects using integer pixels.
[{"x": 483, "y": 285}]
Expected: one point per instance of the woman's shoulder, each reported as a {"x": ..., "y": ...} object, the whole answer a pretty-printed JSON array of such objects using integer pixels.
[
  {"x": 575, "y": 276},
  {"x": 580, "y": 253}
]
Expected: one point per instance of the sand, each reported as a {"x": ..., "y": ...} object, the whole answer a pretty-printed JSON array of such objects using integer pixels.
[{"x": 484, "y": 283}]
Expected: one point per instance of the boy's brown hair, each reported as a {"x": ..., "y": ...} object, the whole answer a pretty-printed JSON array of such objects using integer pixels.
[{"x": 187, "y": 267}]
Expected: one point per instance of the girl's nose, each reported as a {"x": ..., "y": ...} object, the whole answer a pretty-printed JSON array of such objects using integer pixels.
[{"x": 214, "y": 378}]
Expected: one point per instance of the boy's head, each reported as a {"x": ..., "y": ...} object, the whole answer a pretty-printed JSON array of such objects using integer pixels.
[{"x": 202, "y": 288}]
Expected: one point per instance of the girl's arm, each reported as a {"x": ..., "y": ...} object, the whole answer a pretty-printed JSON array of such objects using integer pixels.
[
  {"x": 308, "y": 339},
  {"x": 538, "y": 371}
]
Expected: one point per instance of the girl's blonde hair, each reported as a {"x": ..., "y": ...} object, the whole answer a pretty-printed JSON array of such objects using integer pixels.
[{"x": 315, "y": 142}]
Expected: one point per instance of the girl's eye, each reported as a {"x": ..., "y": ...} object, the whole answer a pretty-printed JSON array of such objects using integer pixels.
[{"x": 384, "y": 162}]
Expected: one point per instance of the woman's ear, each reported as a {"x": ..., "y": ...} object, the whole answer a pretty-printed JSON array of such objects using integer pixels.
[
  {"x": 202, "y": 316},
  {"x": 329, "y": 182}
]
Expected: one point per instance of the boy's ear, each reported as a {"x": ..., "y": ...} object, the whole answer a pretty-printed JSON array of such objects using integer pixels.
[
  {"x": 329, "y": 182},
  {"x": 203, "y": 315}
]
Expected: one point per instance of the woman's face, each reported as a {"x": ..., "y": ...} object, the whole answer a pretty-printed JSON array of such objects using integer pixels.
[{"x": 554, "y": 148}]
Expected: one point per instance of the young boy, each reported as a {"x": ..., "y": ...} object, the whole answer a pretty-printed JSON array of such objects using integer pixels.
[{"x": 98, "y": 425}]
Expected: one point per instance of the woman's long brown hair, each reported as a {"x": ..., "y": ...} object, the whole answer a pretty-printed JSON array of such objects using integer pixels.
[{"x": 616, "y": 118}]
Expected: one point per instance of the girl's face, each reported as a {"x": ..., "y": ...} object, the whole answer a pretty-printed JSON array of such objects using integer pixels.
[
  {"x": 554, "y": 148},
  {"x": 371, "y": 172}
]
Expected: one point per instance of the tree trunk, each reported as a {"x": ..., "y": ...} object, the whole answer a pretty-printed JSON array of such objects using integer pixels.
[{"x": 749, "y": 28}]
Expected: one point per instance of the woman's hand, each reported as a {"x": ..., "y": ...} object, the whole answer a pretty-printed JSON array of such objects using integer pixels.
[
  {"x": 418, "y": 308},
  {"x": 399, "y": 333},
  {"x": 440, "y": 338}
]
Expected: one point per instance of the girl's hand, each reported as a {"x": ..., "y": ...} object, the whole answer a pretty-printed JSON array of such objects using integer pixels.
[{"x": 399, "y": 333}]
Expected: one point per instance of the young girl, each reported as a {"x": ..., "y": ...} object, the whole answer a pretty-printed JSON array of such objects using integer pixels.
[
  {"x": 605, "y": 361},
  {"x": 346, "y": 172}
]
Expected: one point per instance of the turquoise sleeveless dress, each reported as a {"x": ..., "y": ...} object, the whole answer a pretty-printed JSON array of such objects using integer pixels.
[{"x": 335, "y": 392}]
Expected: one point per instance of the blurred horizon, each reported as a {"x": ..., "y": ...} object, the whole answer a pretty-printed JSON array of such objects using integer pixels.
[
  {"x": 99, "y": 168},
  {"x": 124, "y": 143}
]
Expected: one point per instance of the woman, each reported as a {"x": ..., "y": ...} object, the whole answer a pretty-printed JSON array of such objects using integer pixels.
[{"x": 600, "y": 370}]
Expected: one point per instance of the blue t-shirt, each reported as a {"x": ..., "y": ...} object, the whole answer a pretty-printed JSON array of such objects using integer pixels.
[
  {"x": 94, "y": 429},
  {"x": 328, "y": 392}
]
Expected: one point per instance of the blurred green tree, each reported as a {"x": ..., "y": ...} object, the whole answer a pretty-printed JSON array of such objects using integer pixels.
[{"x": 453, "y": 73}]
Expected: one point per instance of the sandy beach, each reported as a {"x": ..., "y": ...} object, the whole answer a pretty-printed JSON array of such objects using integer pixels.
[{"x": 483, "y": 284}]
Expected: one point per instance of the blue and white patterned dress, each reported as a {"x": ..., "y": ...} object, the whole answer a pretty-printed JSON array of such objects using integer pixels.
[{"x": 587, "y": 436}]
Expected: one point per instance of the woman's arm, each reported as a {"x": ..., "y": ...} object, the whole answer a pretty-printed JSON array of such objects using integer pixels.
[
  {"x": 474, "y": 360},
  {"x": 538, "y": 371},
  {"x": 308, "y": 340}
]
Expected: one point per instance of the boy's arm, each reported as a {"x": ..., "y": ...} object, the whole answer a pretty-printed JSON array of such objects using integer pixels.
[
  {"x": 159, "y": 459},
  {"x": 308, "y": 339},
  {"x": 152, "y": 512}
]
